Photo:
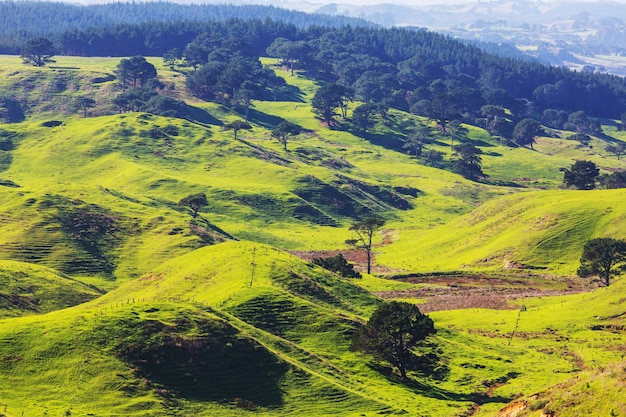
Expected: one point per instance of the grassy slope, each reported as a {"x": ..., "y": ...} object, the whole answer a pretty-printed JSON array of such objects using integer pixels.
[
  {"x": 302, "y": 317},
  {"x": 253, "y": 188},
  {"x": 31, "y": 289}
]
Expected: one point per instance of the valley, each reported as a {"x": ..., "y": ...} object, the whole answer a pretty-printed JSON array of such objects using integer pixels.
[{"x": 151, "y": 309}]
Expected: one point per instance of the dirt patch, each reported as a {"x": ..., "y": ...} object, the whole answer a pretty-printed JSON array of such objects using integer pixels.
[
  {"x": 513, "y": 409},
  {"x": 477, "y": 291}
]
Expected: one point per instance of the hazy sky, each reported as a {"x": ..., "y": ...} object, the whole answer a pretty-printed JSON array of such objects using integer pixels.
[{"x": 404, "y": 2}]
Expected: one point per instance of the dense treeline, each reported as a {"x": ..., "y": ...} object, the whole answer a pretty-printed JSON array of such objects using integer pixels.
[
  {"x": 410, "y": 69},
  {"x": 419, "y": 71},
  {"x": 22, "y": 20}
]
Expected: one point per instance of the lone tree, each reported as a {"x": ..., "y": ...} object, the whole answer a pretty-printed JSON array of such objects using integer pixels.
[
  {"x": 83, "y": 104},
  {"x": 526, "y": 131},
  {"x": 37, "y": 52},
  {"x": 284, "y": 131},
  {"x": 391, "y": 332},
  {"x": 365, "y": 231},
  {"x": 236, "y": 126},
  {"x": 195, "y": 202},
  {"x": 582, "y": 175},
  {"x": 604, "y": 257},
  {"x": 467, "y": 161}
]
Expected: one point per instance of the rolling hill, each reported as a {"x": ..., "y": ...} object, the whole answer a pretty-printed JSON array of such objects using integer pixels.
[{"x": 131, "y": 306}]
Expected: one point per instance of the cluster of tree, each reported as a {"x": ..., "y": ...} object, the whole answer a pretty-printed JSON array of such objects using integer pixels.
[
  {"x": 99, "y": 28},
  {"x": 138, "y": 79},
  {"x": 339, "y": 265},
  {"x": 226, "y": 70},
  {"x": 416, "y": 70},
  {"x": 585, "y": 175}
]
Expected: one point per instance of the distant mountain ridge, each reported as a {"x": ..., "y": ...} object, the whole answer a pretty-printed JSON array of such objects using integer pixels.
[{"x": 580, "y": 35}]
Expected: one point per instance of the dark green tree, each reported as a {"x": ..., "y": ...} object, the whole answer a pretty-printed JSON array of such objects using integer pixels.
[
  {"x": 433, "y": 157},
  {"x": 618, "y": 149},
  {"x": 365, "y": 231},
  {"x": 171, "y": 57},
  {"x": 37, "y": 52},
  {"x": 83, "y": 104},
  {"x": 284, "y": 131},
  {"x": 135, "y": 72},
  {"x": 362, "y": 117},
  {"x": 327, "y": 100},
  {"x": 338, "y": 264},
  {"x": 236, "y": 126},
  {"x": 290, "y": 52},
  {"x": 582, "y": 175},
  {"x": 581, "y": 123},
  {"x": 195, "y": 202},
  {"x": 604, "y": 257},
  {"x": 467, "y": 161},
  {"x": 613, "y": 180},
  {"x": 243, "y": 97},
  {"x": 456, "y": 131},
  {"x": 492, "y": 115},
  {"x": 415, "y": 141},
  {"x": 526, "y": 131},
  {"x": 393, "y": 330},
  {"x": 581, "y": 138}
]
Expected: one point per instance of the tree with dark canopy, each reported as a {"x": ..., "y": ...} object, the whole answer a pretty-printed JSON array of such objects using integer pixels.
[
  {"x": 525, "y": 132},
  {"x": 284, "y": 131},
  {"x": 582, "y": 175},
  {"x": 236, "y": 126},
  {"x": 468, "y": 161},
  {"x": 327, "y": 99},
  {"x": 618, "y": 149},
  {"x": 195, "y": 202},
  {"x": 416, "y": 140},
  {"x": 392, "y": 331},
  {"x": 365, "y": 231},
  {"x": 135, "y": 72},
  {"x": 37, "y": 52},
  {"x": 83, "y": 104},
  {"x": 604, "y": 257},
  {"x": 339, "y": 265}
]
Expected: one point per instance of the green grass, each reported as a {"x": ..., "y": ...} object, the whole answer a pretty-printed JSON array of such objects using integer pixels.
[{"x": 183, "y": 290}]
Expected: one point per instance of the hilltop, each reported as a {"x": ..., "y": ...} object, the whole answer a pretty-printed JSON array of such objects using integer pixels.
[{"x": 190, "y": 298}]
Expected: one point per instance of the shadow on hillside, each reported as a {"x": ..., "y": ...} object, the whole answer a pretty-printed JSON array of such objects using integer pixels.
[
  {"x": 435, "y": 392},
  {"x": 391, "y": 141},
  {"x": 218, "y": 366},
  {"x": 263, "y": 119},
  {"x": 289, "y": 93},
  {"x": 197, "y": 114}
]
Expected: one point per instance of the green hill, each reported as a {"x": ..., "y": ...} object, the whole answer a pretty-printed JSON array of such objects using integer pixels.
[
  {"x": 30, "y": 289},
  {"x": 217, "y": 315}
]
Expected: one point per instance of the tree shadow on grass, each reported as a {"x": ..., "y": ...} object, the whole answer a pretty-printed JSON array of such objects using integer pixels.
[
  {"x": 197, "y": 114},
  {"x": 289, "y": 93},
  {"x": 265, "y": 120},
  {"x": 435, "y": 392}
]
